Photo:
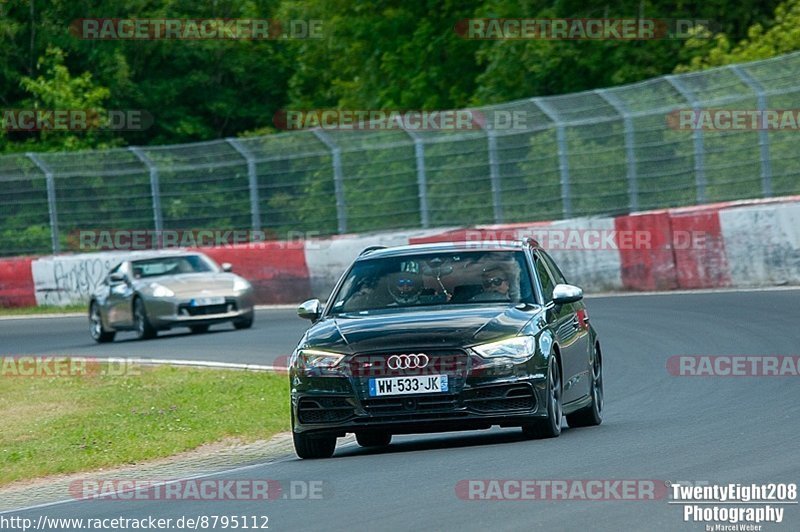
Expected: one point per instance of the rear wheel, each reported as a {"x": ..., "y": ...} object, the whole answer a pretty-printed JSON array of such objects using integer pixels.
[
  {"x": 245, "y": 322},
  {"x": 549, "y": 427},
  {"x": 313, "y": 446},
  {"x": 96, "y": 328},
  {"x": 373, "y": 439},
  {"x": 593, "y": 414},
  {"x": 144, "y": 330},
  {"x": 199, "y": 329}
]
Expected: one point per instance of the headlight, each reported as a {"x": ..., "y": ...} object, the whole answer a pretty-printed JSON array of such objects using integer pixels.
[
  {"x": 161, "y": 291},
  {"x": 240, "y": 285},
  {"x": 313, "y": 358},
  {"x": 517, "y": 347}
]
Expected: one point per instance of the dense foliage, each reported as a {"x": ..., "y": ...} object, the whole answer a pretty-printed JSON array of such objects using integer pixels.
[{"x": 374, "y": 54}]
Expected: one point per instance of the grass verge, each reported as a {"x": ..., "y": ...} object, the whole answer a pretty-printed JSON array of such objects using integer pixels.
[
  {"x": 59, "y": 425},
  {"x": 47, "y": 309}
]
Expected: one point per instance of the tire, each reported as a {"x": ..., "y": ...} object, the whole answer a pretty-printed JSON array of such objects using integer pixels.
[
  {"x": 310, "y": 447},
  {"x": 245, "y": 322},
  {"x": 591, "y": 415},
  {"x": 549, "y": 427},
  {"x": 144, "y": 331},
  {"x": 96, "y": 329},
  {"x": 373, "y": 439},
  {"x": 199, "y": 329}
]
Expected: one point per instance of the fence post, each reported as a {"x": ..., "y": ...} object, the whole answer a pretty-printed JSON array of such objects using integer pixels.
[
  {"x": 255, "y": 210},
  {"x": 422, "y": 177},
  {"x": 155, "y": 192},
  {"x": 563, "y": 156},
  {"x": 763, "y": 134},
  {"x": 630, "y": 152},
  {"x": 699, "y": 143},
  {"x": 51, "y": 200},
  {"x": 494, "y": 176},
  {"x": 338, "y": 179}
]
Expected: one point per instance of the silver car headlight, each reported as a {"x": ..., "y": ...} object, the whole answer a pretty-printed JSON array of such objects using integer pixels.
[
  {"x": 240, "y": 285},
  {"x": 161, "y": 290},
  {"x": 519, "y": 347},
  {"x": 315, "y": 358}
]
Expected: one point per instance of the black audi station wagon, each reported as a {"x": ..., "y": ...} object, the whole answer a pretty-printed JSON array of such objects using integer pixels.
[{"x": 441, "y": 337}]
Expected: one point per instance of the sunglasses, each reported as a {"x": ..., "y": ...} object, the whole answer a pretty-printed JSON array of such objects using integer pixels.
[{"x": 495, "y": 281}]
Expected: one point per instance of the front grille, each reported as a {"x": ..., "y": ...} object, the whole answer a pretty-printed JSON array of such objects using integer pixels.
[
  {"x": 187, "y": 310},
  {"x": 324, "y": 409},
  {"x": 450, "y": 362},
  {"x": 501, "y": 398}
]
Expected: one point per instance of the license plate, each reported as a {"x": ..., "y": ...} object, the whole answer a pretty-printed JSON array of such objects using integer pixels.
[
  {"x": 407, "y": 385},
  {"x": 207, "y": 301}
]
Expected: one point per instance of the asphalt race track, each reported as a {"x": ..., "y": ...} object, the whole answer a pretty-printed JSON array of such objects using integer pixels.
[{"x": 657, "y": 426}]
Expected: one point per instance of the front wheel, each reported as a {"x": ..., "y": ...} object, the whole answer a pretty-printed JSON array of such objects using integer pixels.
[
  {"x": 245, "y": 322},
  {"x": 549, "y": 427},
  {"x": 313, "y": 446},
  {"x": 96, "y": 329},
  {"x": 593, "y": 414},
  {"x": 144, "y": 330}
]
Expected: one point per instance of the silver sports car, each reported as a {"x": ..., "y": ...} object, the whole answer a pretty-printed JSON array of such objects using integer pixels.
[{"x": 160, "y": 290}]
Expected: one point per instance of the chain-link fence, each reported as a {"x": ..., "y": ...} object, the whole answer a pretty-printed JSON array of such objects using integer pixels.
[{"x": 600, "y": 152}]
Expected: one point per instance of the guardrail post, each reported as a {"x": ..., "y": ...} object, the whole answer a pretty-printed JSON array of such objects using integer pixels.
[
  {"x": 155, "y": 192},
  {"x": 338, "y": 179},
  {"x": 563, "y": 155},
  {"x": 255, "y": 210},
  {"x": 52, "y": 208},
  {"x": 763, "y": 134},
  {"x": 630, "y": 152},
  {"x": 494, "y": 176},
  {"x": 699, "y": 143}
]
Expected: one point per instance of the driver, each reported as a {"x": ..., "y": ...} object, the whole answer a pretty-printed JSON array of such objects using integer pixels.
[
  {"x": 405, "y": 287},
  {"x": 495, "y": 284}
]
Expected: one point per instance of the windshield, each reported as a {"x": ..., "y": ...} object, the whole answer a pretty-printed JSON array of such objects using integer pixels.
[
  {"x": 454, "y": 278},
  {"x": 172, "y": 266}
]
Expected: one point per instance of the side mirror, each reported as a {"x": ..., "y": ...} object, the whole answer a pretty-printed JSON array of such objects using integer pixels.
[
  {"x": 116, "y": 278},
  {"x": 227, "y": 267},
  {"x": 566, "y": 293},
  {"x": 310, "y": 310}
]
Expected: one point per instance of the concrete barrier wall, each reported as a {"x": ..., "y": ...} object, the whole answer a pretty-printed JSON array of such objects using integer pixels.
[
  {"x": 737, "y": 244},
  {"x": 16, "y": 283}
]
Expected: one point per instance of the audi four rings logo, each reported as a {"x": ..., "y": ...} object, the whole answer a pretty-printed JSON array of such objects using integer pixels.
[{"x": 408, "y": 361}]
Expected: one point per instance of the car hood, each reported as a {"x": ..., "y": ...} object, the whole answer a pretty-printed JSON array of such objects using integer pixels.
[
  {"x": 195, "y": 284},
  {"x": 426, "y": 328}
]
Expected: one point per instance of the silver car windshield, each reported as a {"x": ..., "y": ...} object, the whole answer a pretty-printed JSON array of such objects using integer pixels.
[
  {"x": 172, "y": 266},
  {"x": 468, "y": 277}
]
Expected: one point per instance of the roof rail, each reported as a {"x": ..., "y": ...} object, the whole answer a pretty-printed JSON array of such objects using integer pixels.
[{"x": 370, "y": 249}]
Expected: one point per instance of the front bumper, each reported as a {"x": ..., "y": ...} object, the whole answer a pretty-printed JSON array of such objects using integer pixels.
[
  {"x": 506, "y": 394},
  {"x": 178, "y": 312}
]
